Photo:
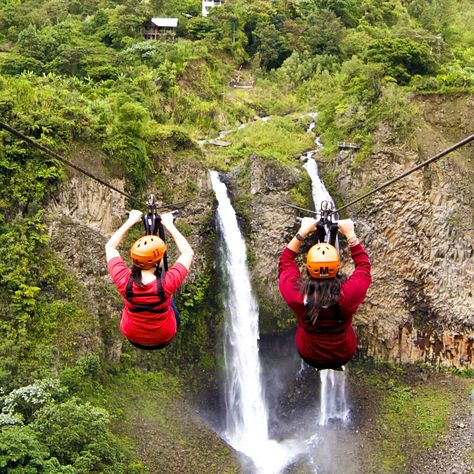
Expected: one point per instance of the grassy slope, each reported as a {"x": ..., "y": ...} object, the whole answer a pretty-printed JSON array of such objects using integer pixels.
[
  {"x": 404, "y": 412},
  {"x": 150, "y": 410}
]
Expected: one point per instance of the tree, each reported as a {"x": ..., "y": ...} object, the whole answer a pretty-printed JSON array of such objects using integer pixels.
[
  {"x": 199, "y": 27},
  {"x": 271, "y": 46},
  {"x": 325, "y": 33},
  {"x": 29, "y": 43},
  {"x": 401, "y": 57},
  {"x": 127, "y": 138},
  {"x": 77, "y": 434},
  {"x": 21, "y": 452}
]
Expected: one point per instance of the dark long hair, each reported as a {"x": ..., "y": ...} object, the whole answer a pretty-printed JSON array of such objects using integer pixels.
[
  {"x": 137, "y": 274},
  {"x": 321, "y": 292}
]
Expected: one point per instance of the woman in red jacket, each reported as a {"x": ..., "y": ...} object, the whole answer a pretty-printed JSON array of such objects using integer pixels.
[
  {"x": 325, "y": 301},
  {"x": 149, "y": 319}
]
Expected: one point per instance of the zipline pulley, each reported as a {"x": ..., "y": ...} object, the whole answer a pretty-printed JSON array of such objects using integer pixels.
[
  {"x": 153, "y": 225},
  {"x": 326, "y": 228},
  {"x": 152, "y": 220}
]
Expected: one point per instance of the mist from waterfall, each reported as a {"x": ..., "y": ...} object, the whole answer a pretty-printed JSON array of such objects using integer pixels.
[{"x": 246, "y": 411}]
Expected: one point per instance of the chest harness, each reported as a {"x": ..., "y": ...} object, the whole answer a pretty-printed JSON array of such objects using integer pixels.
[{"x": 153, "y": 226}]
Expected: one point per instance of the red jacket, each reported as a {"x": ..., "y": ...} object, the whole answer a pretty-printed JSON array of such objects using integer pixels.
[
  {"x": 328, "y": 341},
  {"x": 147, "y": 328}
]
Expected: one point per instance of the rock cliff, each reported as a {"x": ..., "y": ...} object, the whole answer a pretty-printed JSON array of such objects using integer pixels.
[
  {"x": 418, "y": 233},
  {"x": 420, "y": 306}
]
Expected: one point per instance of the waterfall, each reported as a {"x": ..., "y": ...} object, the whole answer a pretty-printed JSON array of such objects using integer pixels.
[
  {"x": 318, "y": 190},
  {"x": 246, "y": 410},
  {"x": 333, "y": 403},
  {"x": 333, "y": 397}
]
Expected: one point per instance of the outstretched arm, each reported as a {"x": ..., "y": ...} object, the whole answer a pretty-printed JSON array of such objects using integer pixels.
[
  {"x": 355, "y": 288},
  {"x": 308, "y": 225},
  {"x": 185, "y": 250},
  {"x": 112, "y": 245}
]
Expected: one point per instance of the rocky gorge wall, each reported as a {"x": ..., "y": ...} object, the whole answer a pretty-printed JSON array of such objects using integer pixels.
[
  {"x": 418, "y": 233},
  {"x": 84, "y": 214},
  {"x": 420, "y": 306}
]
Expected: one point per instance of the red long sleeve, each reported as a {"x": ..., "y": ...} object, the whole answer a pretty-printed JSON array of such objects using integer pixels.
[
  {"x": 332, "y": 338},
  {"x": 355, "y": 287}
]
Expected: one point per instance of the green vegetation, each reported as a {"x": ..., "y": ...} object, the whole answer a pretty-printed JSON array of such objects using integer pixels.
[
  {"x": 150, "y": 408},
  {"x": 46, "y": 429},
  {"x": 280, "y": 138},
  {"x": 78, "y": 75},
  {"x": 411, "y": 415}
]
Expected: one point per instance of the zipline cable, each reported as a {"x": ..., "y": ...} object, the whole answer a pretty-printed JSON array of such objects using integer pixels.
[
  {"x": 421, "y": 165},
  {"x": 284, "y": 203},
  {"x": 56, "y": 155},
  {"x": 457, "y": 145},
  {"x": 63, "y": 160},
  {"x": 360, "y": 198}
]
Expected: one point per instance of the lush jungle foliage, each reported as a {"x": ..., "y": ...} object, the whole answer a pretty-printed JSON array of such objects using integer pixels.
[{"x": 80, "y": 73}]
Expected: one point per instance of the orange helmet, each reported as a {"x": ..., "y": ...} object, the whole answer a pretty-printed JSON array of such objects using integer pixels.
[
  {"x": 323, "y": 261},
  {"x": 147, "y": 251}
]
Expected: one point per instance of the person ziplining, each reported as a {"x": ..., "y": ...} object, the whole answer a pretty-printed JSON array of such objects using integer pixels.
[
  {"x": 150, "y": 319},
  {"x": 326, "y": 300}
]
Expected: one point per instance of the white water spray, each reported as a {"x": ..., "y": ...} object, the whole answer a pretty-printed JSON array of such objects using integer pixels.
[
  {"x": 319, "y": 191},
  {"x": 246, "y": 411}
]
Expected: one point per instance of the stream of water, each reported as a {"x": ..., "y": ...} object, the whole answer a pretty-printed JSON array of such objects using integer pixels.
[
  {"x": 247, "y": 417},
  {"x": 246, "y": 410}
]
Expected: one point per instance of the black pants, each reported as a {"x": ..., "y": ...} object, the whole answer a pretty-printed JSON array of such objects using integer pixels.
[
  {"x": 325, "y": 365},
  {"x": 160, "y": 346}
]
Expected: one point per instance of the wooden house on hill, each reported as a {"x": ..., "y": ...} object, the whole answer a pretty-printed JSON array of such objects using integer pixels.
[{"x": 158, "y": 28}]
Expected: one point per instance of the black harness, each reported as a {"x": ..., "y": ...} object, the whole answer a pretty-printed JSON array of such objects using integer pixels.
[
  {"x": 149, "y": 307},
  {"x": 326, "y": 231},
  {"x": 153, "y": 226},
  {"x": 326, "y": 227},
  {"x": 339, "y": 320}
]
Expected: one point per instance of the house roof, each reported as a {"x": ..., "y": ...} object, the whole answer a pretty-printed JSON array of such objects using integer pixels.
[{"x": 165, "y": 22}]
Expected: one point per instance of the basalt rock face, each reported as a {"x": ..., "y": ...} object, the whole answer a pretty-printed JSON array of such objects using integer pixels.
[
  {"x": 260, "y": 191},
  {"x": 84, "y": 214},
  {"x": 418, "y": 233}
]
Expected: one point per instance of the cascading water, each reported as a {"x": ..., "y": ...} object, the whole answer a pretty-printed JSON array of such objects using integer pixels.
[
  {"x": 333, "y": 393},
  {"x": 333, "y": 397},
  {"x": 246, "y": 411},
  {"x": 319, "y": 191}
]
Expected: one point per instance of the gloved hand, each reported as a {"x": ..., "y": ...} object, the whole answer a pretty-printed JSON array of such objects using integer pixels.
[
  {"x": 135, "y": 216},
  {"x": 308, "y": 225}
]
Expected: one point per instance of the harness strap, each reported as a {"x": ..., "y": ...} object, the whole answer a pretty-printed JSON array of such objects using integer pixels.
[
  {"x": 333, "y": 229},
  {"x": 149, "y": 307},
  {"x": 335, "y": 330},
  {"x": 320, "y": 234}
]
